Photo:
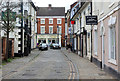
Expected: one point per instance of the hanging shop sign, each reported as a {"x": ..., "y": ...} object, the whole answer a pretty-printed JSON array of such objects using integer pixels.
[{"x": 91, "y": 20}]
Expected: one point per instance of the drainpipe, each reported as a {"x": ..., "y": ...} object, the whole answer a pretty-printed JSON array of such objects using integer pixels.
[
  {"x": 80, "y": 34},
  {"x": 91, "y": 31},
  {"x": 73, "y": 36}
]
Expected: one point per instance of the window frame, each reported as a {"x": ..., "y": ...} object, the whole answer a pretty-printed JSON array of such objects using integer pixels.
[
  {"x": 59, "y": 32},
  {"x": 60, "y": 21},
  {"x": 49, "y": 21},
  {"x": 95, "y": 42},
  {"x": 112, "y": 60},
  {"x": 41, "y": 29},
  {"x": 42, "y": 20},
  {"x": 49, "y": 29}
]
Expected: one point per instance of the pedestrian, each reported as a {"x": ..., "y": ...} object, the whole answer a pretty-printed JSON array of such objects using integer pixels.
[
  {"x": 69, "y": 48},
  {"x": 37, "y": 45}
]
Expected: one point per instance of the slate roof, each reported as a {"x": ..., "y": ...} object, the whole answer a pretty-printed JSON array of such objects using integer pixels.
[{"x": 53, "y": 11}]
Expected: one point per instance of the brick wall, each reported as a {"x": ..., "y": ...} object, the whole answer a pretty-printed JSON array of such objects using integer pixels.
[{"x": 54, "y": 27}]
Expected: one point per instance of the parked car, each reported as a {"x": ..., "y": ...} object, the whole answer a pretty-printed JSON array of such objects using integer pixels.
[
  {"x": 56, "y": 46},
  {"x": 43, "y": 46}
]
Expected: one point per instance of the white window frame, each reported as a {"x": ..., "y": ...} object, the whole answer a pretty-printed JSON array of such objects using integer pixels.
[
  {"x": 42, "y": 20},
  {"x": 50, "y": 20},
  {"x": 95, "y": 42},
  {"x": 60, "y": 21},
  {"x": 49, "y": 29},
  {"x": 41, "y": 30},
  {"x": 112, "y": 60},
  {"x": 60, "y": 32}
]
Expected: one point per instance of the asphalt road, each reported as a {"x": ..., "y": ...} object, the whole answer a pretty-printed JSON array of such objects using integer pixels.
[{"x": 50, "y": 64}]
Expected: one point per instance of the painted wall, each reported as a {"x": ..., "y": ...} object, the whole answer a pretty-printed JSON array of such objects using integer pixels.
[{"x": 105, "y": 12}]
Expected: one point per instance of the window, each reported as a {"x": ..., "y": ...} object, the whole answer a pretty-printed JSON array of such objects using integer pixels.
[
  {"x": 42, "y": 21},
  {"x": 42, "y": 29},
  {"x": 112, "y": 42},
  {"x": 95, "y": 42},
  {"x": 59, "y": 29},
  {"x": 58, "y": 21},
  {"x": 51, "y": 29},
  {"x": 50, "y": 21}
]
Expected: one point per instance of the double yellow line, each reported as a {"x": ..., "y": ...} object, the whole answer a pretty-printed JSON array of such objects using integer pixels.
[{"x": 72, "y": 71}]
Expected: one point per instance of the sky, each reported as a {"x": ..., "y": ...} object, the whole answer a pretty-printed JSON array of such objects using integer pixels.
[{"x": 55, "y": 3}]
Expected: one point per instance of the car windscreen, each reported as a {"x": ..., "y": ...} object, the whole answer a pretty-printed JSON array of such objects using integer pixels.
[
  {"x": 43, "y": 44},
  {"x": 55, "y": 45}
]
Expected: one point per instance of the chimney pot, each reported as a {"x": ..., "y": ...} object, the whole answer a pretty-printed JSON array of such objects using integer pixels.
[{"x": 50, "y": 5}]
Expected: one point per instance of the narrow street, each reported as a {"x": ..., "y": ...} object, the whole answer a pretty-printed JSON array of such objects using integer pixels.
[{"x": 52, "y": 64}]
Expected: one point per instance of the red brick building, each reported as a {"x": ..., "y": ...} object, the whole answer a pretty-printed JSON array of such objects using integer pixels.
[{"x": 51, "y": 20}]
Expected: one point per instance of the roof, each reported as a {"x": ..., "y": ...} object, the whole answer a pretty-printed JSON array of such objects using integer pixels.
[
  {"x": 33, "y": 5},
  {"x": 53, "y": 11}
]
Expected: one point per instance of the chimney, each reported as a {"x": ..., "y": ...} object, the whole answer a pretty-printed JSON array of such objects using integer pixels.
[{"x": 49, "y": 6}]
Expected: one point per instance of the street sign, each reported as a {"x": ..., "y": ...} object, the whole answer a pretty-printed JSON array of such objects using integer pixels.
[
  {"x": 12, "y": 16},
  {"x": 91, "y": 20}
]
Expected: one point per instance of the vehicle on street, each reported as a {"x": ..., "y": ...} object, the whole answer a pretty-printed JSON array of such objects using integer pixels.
[
  {"x": 55, "y": 46},
  {"x": 43, "y": 46}
]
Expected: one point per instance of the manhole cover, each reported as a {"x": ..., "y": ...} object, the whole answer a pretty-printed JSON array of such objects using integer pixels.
[
  {"x": 13, "y": 71},
  {"x": 58, "y": 72},
  {"x": 28, "y": 74},
  {"x": 102, "y": 74},
  {"x": 29, "y": 70}
]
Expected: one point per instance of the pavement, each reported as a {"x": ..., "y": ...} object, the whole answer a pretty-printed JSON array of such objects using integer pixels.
[
  {"x": 87, "y": 69},
  {"x": 53, "y": 64},
  {"x": 11, "y": 67}
]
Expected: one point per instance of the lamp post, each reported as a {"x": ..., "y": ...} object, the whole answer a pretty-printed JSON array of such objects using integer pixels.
[
  {"x": 58, "y": 34},
  {"x": 91, "y": 32}
]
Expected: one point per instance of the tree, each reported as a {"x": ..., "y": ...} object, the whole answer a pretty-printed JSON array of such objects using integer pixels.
[{"x": 8, "y": 19}]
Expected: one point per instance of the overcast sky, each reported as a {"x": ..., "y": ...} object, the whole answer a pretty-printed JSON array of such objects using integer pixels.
[{"x": 55, "y": 3}]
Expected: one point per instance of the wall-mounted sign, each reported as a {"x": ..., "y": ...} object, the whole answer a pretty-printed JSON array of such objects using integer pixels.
[{"x": 91, "y": 20}]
